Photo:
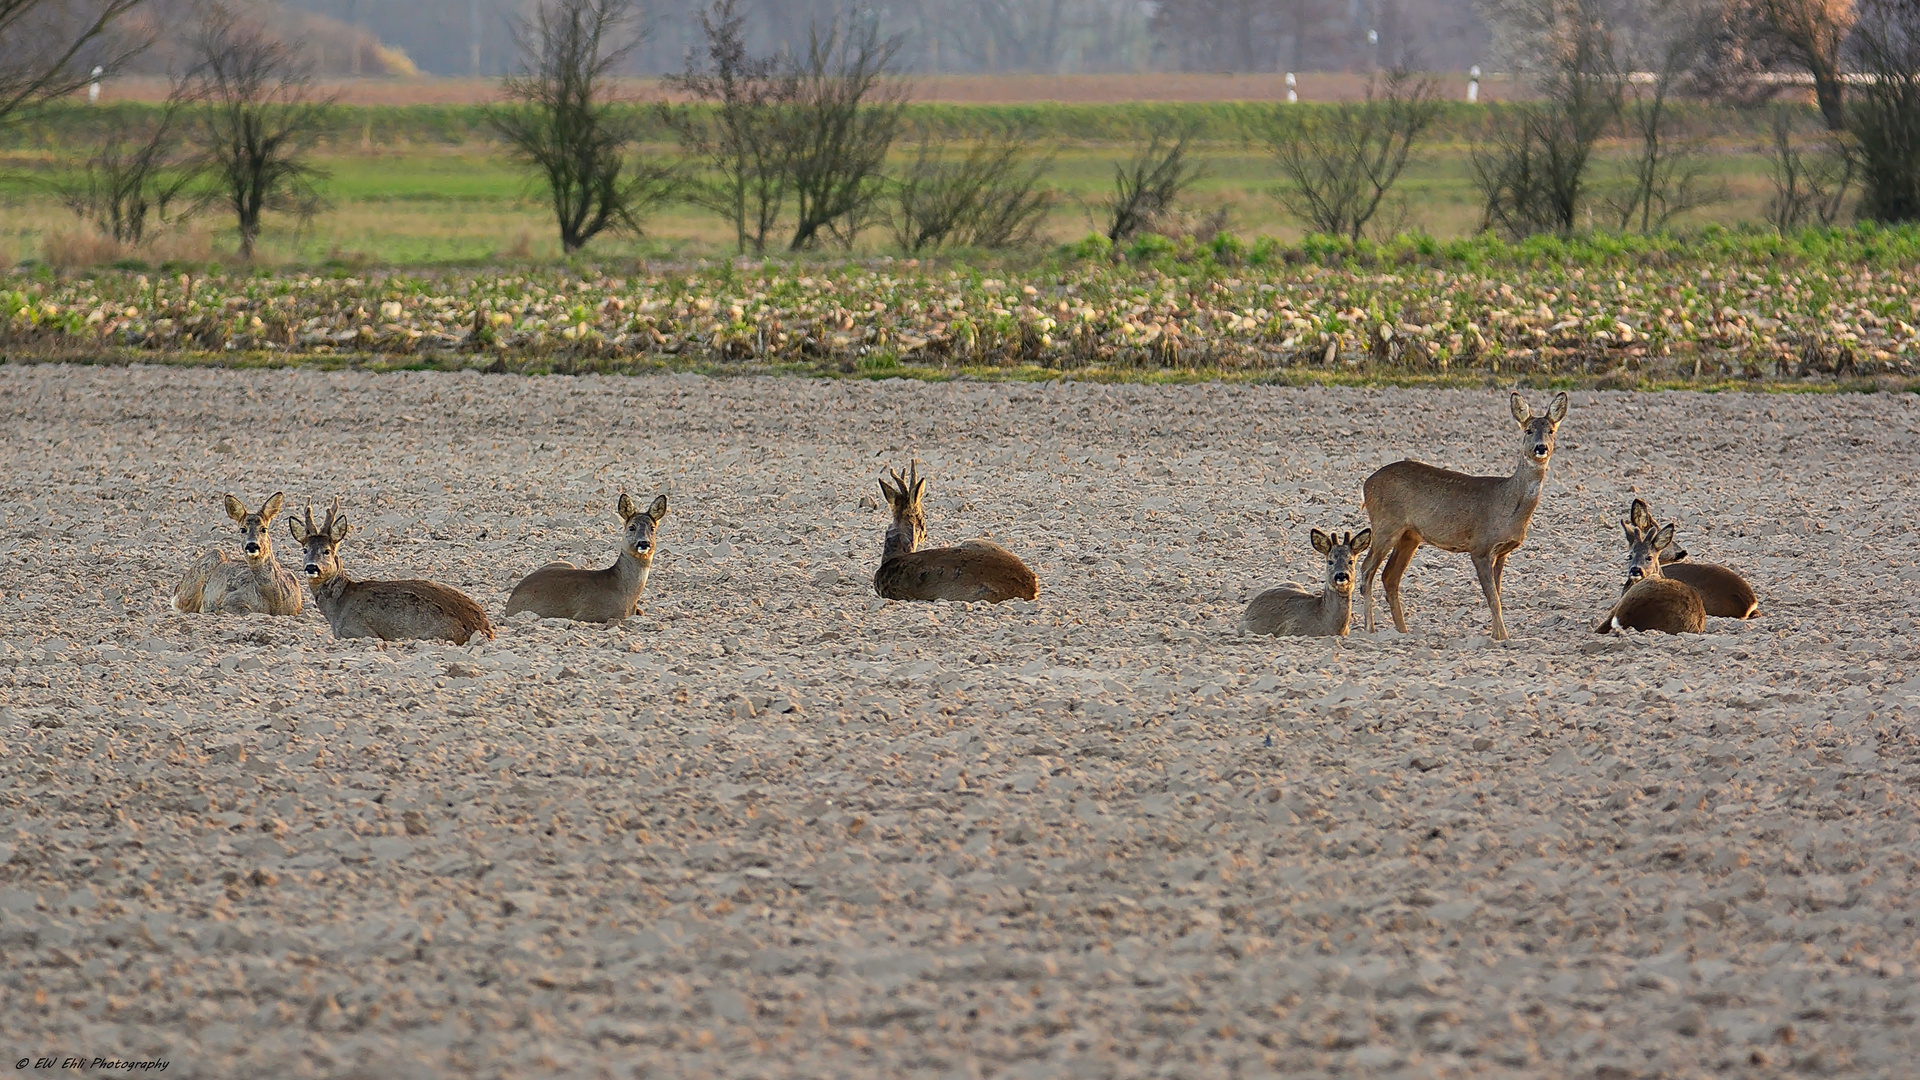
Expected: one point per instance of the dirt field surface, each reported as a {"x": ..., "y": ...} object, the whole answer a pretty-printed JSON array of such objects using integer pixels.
[{"x": 774, "y": 827}]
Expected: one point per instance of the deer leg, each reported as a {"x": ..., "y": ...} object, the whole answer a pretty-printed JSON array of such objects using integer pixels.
[
  {"x": 1397, "y": 566},
  {"x": 1483, "y": 565},
  {"x": 1375, "y": 556}
]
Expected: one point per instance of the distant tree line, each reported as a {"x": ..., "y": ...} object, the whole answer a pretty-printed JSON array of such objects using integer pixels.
[
  {"x": 798, "y": 148},
  {"x": 1048, "y": 36}
]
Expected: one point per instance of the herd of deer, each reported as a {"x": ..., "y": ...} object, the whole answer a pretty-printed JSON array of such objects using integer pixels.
[{"x": 1408, "y": 504}]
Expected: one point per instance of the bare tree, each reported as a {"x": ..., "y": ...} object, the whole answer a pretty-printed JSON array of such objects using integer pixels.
[
  {"x": 1813, "y": 33},
  {"x": 1808, "y": 188},
  {"x": 1532, "y": 164},
  {"x": 49, "y": 48},
  {"x": 1147, "y": 187},
  {"x": 1883, "y": 117},
  {"x": 836, "y": 131},
  {"x": 562, "y": 118},
  {"x": 255, "y": 119},
  {"x": 990, "y": 197},
  {"x": 1666, "y": 176},
  {"x": 1339, "y": 161},
  {"x": 138, "y": 173},
  {"x": 735, "y": 132}
]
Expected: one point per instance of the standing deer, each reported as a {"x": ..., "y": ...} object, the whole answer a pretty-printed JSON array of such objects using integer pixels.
[
  {"x": 1296, "y": 611},
  {"x": 561, "y": 590},
  {"x": 1724, "y": 593},
  {"x": 257, "y": 584},
  {"x": 1651, "y": 601},
  {"x": 975, "y": 570},
  {"x": 1410, "y": 503},
  {"x": 388, "y": 610}
]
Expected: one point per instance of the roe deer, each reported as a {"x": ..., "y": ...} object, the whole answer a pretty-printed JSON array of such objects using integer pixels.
[
  {"x": 1651, "y": 601},
  {"x": 388, "y": 610},
  {"x": 1295, "y": 610},
  {"x": 219, "y": 583},
  {"x": 561, "y": 590},
  {"x": 1725, "y": 594},
  {"x": 1410, "y": 503},
  {"x": 975, "y": 570}
]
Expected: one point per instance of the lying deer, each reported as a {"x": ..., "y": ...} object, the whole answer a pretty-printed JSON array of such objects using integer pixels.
[
  {"x": 1651, "y": 601},
  {"x": 1725, "y": 593},
  {"x": 975, "y": 570},
  {"x": 388, "y": 610},
  {"x": 1293, "y": 610},
  {"x": 1410, "y": 503},
  {"x": 256, "y": 584},
  {"x": 561, "y": 590}
]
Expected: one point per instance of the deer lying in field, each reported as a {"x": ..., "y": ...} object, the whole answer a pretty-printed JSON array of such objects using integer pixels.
[
  {"x": 1410, "y": 503},
  {"x": 220, "y": 584},
  {"x": 975, "y": 570},
  {"x": 1724, "y": 593},
  {"x": 1650, "y": 600},
  {"x": 561, "y": 590},
  {"x": 1296, "y": 611},
  {"x": 388, "y": 610}
]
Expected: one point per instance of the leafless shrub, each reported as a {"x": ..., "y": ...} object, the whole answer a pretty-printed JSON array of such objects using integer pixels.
[
  {"x": 836, "y": 130},
  {"x": 1808, "y": 187},
  {"x": 139, "y": 174},
  {"x": 256, "y": 113},
  {"x": 1883, "y": 117},
  {"x": 1339, "y": 161},
  {"x": 1149, "y": 185},
  {"x": 1666, "y": 176},
  {"x": 563, "y": 121},
  {"x": 990, "y": 197},
  {"x": 1531, "y": 166},
  {"x": 735, "y": 136}
]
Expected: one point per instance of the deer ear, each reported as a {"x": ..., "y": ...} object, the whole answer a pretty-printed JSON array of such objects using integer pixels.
[
  {"x": 1322, "y": 543},
  {"x": 1641, "y": 514},
  {"x": 1663, "y": 538},
  {"x": 293, "y": 526},
  {"x": 919, "y": 489},
  {"x": 1679, "y": 555},
  {"x": 1557, "y": 411},
  {"x": 1363, "y": 542},
  {"x": 272, "y": 509},
  {"x": 1521, "y": 413},
  {"x": 236, "y": 509},
  {"x": 340, "y": 530},
  {"x": 659, "y": 508},
  {"x": 625, "y": 507}
]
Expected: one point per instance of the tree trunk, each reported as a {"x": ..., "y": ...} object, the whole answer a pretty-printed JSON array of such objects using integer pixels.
[{"x": 1829, "y": 91}]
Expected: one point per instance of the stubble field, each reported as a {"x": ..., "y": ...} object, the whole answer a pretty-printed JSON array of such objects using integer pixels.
[{"x": 775, "y": 827}]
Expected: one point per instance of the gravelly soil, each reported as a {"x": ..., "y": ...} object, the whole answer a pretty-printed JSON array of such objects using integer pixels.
[{"x": 774, "y": 827}]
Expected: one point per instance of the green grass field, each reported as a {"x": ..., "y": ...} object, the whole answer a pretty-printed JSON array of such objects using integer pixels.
[{"x": 421, "y": 186}]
